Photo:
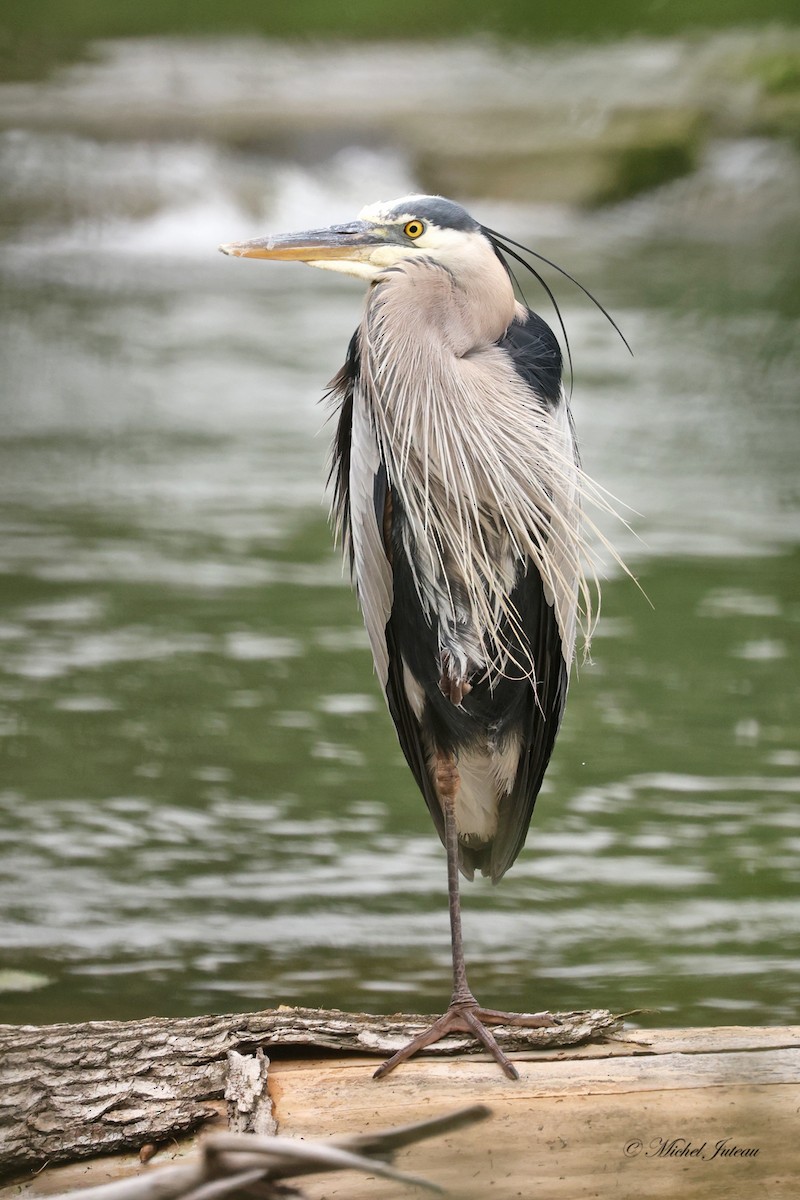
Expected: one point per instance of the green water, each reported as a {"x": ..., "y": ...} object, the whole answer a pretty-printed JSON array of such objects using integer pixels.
[
  {"x": 206, "y": 808},
  {"x": 36, "y": 36},
  {"x": 202, "y": 803}
]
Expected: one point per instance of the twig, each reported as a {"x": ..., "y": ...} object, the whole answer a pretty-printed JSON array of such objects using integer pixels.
[{"x": 229, "y": 1163}]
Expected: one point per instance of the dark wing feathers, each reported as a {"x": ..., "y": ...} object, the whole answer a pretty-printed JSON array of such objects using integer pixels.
[
  {"x": 538, "y": 726},
  {"x": 536, "y": 355}
]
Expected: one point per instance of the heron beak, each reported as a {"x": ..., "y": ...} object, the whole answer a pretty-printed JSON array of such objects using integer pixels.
[{"x": 312, "y": 245}]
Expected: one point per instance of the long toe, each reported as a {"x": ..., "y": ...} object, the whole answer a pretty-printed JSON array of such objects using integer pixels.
[
  {"x": 494, "y": 1016},
  {"x": 451, "y": 1022}
]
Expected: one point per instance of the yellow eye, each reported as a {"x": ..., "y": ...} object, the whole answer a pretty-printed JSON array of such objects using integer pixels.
[{"x": 414, "y": 229}]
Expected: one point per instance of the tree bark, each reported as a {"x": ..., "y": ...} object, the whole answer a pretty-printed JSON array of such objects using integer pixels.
[{"x": 73, "y": 1091}]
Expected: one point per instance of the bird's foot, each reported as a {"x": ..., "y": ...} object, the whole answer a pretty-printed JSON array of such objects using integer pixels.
[{"x": 466, "y": 1016}]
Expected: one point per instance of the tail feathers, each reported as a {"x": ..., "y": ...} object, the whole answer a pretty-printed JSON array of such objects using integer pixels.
[
  {"x": 484, "y": 859},
  {"x": 474, "y": 858}
]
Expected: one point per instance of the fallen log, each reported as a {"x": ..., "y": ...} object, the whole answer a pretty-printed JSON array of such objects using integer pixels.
[
  {"x": 69, "y": 1092},
  {"x": 703, "y": 1114}
]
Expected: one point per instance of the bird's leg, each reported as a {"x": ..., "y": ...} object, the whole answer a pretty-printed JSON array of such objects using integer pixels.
[
  {"x": 464, "y": 1014},
  {"x": 447, "y": 784}
]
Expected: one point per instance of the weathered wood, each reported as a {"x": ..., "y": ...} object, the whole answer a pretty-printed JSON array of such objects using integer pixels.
[
  {"x": 72, "y": 1091},
  {"x": 595, "y": 1120},
  {"x": 247, "y": 1094},
  {"x": 580, "y": 1128}
]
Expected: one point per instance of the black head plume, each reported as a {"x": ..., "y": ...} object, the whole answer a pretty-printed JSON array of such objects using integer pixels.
[{"x": 506, "y": 247}]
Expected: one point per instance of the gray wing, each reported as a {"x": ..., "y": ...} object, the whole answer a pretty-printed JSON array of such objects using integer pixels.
[
  {"x": 359, "y": 505},
  {"x": 371, "y": 567},
  {"x": 363, "y": 514}
]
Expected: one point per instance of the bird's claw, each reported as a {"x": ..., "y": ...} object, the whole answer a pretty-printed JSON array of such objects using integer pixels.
[{"x": 469, "y": 1018}]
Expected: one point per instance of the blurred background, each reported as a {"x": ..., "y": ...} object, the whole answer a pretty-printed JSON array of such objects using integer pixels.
[{"x": 202, "y": 803}]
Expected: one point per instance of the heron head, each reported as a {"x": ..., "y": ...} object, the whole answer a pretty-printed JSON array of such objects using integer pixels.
[{"x": 384, "y": 235}]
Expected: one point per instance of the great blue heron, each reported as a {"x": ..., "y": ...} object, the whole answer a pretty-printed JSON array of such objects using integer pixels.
[{"x": 457, "y": 495}]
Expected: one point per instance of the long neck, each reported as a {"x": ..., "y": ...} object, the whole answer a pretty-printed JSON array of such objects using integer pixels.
[{"x": 428, "y": 310}]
